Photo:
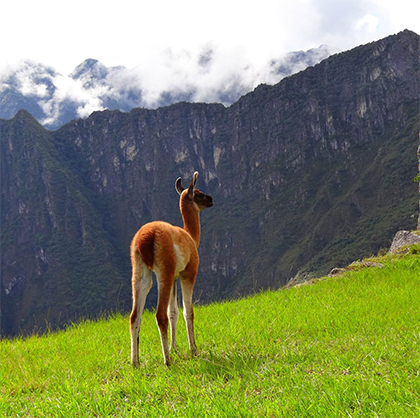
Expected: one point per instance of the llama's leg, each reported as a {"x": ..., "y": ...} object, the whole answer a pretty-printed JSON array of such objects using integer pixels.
[
  {"x": 173, "y": 315},
  {"x": 141, "y": 283},
  {"x": 165, "y": 283},
  {"x": 187, "y": 284}
]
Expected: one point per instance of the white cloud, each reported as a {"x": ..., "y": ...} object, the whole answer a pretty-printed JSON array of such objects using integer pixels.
[
  {"x": 32, "y": 79},
  {"x": 132, "y": 32},
  {"x": 67, "y": 89},
  {"x": 203, "y": 72},
  {"x": 162, "y": 42},
  {"x": 368, "y": 22}
]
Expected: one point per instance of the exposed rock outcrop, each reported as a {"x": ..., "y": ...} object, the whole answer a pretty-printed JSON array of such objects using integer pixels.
[{"x": 403, "y": 238}]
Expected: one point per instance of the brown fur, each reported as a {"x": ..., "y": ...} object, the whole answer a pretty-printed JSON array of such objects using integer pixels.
[
  {"x": 145, "y": 243},
  {"x": 170, "y": 252}
]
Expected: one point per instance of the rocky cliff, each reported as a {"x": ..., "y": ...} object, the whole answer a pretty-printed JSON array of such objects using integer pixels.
[
  {"x": 307, "y": 174},
  {"x": 418, "y": 179}
]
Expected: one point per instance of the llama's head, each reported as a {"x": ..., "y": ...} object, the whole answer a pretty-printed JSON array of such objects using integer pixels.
[{"x": 193, "y": 195}]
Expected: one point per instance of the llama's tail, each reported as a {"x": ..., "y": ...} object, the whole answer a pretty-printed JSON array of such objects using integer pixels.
[{"x": 143, "y": 247}]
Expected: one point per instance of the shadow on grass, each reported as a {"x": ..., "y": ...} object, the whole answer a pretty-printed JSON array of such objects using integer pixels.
[{"x": 219, "y": 364}]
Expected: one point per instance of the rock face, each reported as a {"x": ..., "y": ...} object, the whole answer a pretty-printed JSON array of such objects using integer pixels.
[
  {"x": 307, "y": 174},
  {"x": 418, "y": 157},
  {"x": 403, "y": 238}
]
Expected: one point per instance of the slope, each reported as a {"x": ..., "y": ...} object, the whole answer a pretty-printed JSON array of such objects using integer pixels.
[{"x": 345, "y": 346}]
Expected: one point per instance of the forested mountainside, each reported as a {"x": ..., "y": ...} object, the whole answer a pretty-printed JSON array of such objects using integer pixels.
[{"x": 311, "y": 173}]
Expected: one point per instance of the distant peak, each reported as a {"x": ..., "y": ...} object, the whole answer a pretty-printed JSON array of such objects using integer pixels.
[
  {"x": 23, "y": 114},
  {"x": 90, "y": 66},
  {"x": 90, "y": 62},
  {"x": 25, "y": 117},
  {"x": 408, "y": 32}
]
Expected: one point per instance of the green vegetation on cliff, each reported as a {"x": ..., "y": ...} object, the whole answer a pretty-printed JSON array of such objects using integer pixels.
[{"x": 346, "y": 346}]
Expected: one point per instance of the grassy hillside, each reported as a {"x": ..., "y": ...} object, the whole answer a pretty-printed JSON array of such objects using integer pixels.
[{"x": 347, "y": 346}]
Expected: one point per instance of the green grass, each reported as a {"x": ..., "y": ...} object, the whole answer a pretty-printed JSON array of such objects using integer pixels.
[{"x": 346, "y": 346}]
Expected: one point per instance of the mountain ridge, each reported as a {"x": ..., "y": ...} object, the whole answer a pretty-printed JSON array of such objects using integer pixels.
[
  {"x": 55, "y": 99},
  {"x": 308, "y": 174}
]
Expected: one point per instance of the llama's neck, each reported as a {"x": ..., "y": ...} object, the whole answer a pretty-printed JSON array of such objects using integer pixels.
[{"x": 191, "y": 219}]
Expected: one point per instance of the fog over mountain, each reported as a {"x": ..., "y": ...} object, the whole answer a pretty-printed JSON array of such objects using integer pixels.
[{"x": 209, "y": 76}]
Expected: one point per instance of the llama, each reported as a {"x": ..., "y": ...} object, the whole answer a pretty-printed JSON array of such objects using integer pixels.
[{"x": 170, "y": 252}]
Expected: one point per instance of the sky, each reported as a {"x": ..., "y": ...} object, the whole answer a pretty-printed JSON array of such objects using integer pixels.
[
  {"x": 177, "y": 46},
  {"x": 152, "y": 33}
]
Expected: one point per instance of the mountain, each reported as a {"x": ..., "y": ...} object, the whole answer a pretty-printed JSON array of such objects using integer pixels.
[
  {"x": 54, "y": 99},
  {"x": 309, "y": 174},
  {"x": 26, "y": 87}
]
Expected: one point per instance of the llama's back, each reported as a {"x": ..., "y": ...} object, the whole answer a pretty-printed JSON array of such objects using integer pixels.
[{"x": 158, "y": 241}]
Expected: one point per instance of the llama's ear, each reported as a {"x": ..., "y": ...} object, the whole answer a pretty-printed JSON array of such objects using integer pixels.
[
  {"x": 178, "y": 186},
  {"x": 192, "y": 185},
  {"x": 195, "y": 177}
]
